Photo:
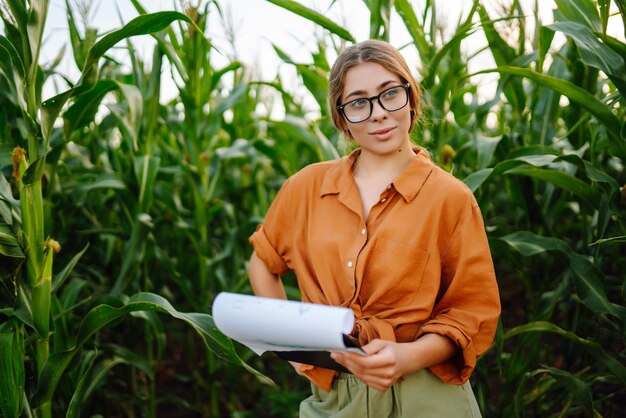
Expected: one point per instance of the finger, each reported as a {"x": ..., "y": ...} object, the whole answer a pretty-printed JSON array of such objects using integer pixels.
[
  {"x": 383, "y": 358},
  {"x": 375, "y": 346},
  {"x": 339, "y": 358}
]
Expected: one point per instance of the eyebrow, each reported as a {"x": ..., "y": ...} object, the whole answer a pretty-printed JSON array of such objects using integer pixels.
[{"x": 363, "y": 92}]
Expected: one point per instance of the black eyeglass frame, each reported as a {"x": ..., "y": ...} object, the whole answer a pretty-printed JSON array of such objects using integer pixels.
[{"x": 377, "y": 98}]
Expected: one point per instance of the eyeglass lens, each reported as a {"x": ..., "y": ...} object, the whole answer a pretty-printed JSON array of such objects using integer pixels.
[{"x": 392, "y": 99}]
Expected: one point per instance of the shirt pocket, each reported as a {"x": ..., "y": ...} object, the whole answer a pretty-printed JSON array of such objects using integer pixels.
[{"x": 393, "y": 275}]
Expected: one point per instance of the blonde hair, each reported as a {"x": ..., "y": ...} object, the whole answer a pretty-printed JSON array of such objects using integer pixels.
[{"x": 381, "y": 53}]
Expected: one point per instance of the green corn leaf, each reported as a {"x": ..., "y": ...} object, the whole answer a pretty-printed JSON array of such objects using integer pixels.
[
  {"x": 102, "y": 315},
  {"x": 316, "y": 81},
  {"x": 34, "y": 172},
  {"x": 85, "y": 107},
  {"x": 78, "y": 397},
  {"x": 544, "y": 40},
  {"x": 592, "y": 51},
  {"x": 584, "y": 12},
  {"x": 102, "y": 181},
  {"x": 297, "y": 130},
  {"x": 41, "y": 297},
  {"x": 504, "y": 55},
  {"x": 141, "y": 25},
  {"x": 574, "y": 385},
  {"x": 415, "y": 29},
  {"x": 146, "y": 169},
  {"x": 592, "y": 347},
  {"x": 297, "y": 8},
  {"x": 12, "y": 372},
  {"x": 589, "y": 280},
  {"x": 615, "y": 44},
  {"x": 448, "y": 48},
  {"x": 60, "y": 277},
  {"x": 379, "y": 18},
  {"x": 5, "y": 191},
  {"x": 611, "y": 240},
  {"x": 217, "y": 75},
  {"x": 561, "y": 179},
  {"x": 35, "y": 27},
  {"x": 9, "y": 246},
  {"x": 133, "y": 252},
  {"x": 5, "y": 212},
  {"x": 578, "y": 95},
  {"x": 19, "y": 12},
  {"x": 158, "y": 333},
  {"x": 93, "y": 376},
  {"x": 14, "y": 58},
  {"x": 477, "y": 178}
]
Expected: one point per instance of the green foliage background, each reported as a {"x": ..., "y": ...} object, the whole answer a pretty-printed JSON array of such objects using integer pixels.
[{"x": 152, "y": 203}]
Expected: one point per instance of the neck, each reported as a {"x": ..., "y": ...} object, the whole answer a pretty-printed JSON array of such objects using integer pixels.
[{"x": 389, "y": 165}]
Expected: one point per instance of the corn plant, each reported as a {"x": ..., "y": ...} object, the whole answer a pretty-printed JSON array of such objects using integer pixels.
[{"x": 36, "y": 304}]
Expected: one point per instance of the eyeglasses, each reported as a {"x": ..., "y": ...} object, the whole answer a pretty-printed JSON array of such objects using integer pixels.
[{"x": 360, "y": 110}]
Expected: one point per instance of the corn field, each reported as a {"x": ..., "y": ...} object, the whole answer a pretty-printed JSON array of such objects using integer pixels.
[{"x": 123, "y": 214}]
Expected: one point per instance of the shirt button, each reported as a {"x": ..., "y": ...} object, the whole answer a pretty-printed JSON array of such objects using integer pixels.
[
  {"x": 349, "y": 263},
  {"x": 363, "y": 231},
  {"x": 383, "y": 200}
]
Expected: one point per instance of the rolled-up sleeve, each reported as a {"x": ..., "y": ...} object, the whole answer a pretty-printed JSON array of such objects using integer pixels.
[
  {"x": 468, "y": 305},
  {"x": 271, "y": 240}
]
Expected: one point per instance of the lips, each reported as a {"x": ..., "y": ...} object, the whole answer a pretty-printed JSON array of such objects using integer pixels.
[{"x": 383, "y": 134}]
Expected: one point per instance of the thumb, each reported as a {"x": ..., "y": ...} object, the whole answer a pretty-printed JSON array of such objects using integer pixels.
[{"x": 375, "y": 346}]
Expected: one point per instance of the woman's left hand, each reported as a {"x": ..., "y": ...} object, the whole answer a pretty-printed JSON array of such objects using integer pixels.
[{"x": 384, "y": 365}]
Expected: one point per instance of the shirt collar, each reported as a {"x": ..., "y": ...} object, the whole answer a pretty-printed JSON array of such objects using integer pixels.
[{"x": 408, "y": 183}]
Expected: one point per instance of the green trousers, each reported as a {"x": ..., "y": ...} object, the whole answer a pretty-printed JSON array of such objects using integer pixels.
[{"x": 420, "y": 394}]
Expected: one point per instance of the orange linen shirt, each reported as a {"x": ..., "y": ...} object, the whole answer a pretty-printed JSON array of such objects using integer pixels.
[{"x": 419, "y": 264}]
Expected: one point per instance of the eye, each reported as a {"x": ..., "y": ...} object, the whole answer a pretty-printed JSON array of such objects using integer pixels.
[
  {"x": 392, "y": 92},
  {"x": 358, "y": 103}
]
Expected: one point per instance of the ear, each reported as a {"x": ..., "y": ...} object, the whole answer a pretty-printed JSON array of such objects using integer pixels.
[{"x": 413, "y": 117}]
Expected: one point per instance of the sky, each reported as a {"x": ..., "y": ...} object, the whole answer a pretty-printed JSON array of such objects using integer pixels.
[{"x": 258, "y": 24}]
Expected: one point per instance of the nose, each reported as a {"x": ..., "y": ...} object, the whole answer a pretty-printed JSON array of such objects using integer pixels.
[{"x": 377, "y": 110}]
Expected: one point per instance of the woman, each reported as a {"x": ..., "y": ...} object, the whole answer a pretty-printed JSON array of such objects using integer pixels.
[{"x": 388, "y": 234}]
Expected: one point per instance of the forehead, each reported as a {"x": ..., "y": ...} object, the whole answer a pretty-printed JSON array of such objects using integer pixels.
[{"x": 367, "y": 76}]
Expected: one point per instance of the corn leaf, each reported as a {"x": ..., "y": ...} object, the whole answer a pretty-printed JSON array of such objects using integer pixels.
[
  {"x": 9, "y": 246},
  {"x": 296, "y": 129},
  {"x": 578, "y": 95},
  {"x": 589, "y": 280},
  {"x": 611, "y": 240},
  {"x": 504, "y": 55},
  {"x": 102, "y": 315},
  {"x": 561, "y": 179},
  {"x": 85, "y": 106},
  {"x": 12, "y": 371},
  {"x": 592, "y": 347},
  {"x": 60, "y": 277},
  {"x": 19, "y": 12},
  {"x": 92, "y": 376},
  {"x": 141, "y": 25},
  {"x": 134, "y": 252},
  {"x": 415, "y": 29},
  {"x": 592, "y": 51},
  {"x": 35, "y": 27},
  {"x": 584, "y": 12},
  {"x": 313, "y": 16},
  {"x": 379, "y": 18},
  {"x": 146, "y": 169},
  {"x": 574, "y": 385},
  {"x": 13, "y": 58}
]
